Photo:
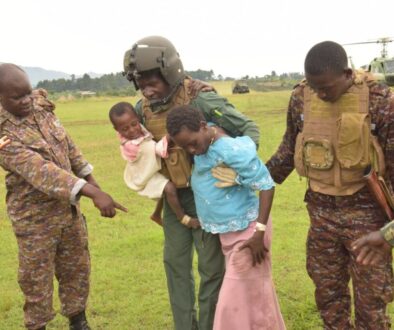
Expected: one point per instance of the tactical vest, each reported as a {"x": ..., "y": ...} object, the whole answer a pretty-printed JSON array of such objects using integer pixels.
[
  {"x": 177, "y": 167},
  {"x": 336, "y": 144}
]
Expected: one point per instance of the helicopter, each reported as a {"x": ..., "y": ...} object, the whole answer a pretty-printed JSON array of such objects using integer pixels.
[{"x": 381, "y": 67}]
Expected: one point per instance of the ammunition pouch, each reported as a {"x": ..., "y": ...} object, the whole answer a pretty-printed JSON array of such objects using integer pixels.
[
  {"x": 353, "y": 150},
  {"x": 178, "y": 167}
]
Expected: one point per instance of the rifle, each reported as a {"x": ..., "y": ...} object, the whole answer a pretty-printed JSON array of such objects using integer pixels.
[{"x": 380, "y": 192}]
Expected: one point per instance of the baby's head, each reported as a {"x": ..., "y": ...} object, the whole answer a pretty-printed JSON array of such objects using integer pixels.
[
  {"x": 125, "y": 121},
  {"x": 188, "y": 128}
]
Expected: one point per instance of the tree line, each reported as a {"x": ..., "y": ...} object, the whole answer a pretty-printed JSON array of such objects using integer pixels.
[
  {"x": 107, "y": 84},
  {"x": 116, "y": 84}
]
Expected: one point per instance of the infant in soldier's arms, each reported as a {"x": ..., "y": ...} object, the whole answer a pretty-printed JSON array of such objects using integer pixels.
[{"x": 143, "y": 156}]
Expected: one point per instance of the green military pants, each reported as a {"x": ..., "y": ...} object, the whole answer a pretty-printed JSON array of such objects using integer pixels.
[{"x": 179, "y": 245}]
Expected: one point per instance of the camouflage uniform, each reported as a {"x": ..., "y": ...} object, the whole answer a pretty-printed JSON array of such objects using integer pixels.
[
  {"x": 44, "y": 168},
  {"x": 337, "y": 221}
]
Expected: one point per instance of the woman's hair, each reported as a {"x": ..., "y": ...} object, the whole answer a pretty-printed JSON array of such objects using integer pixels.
[
  {"x": 184, "y": 116},
  {"x": 326, "y": 56},
  {"x": 119, "y": 109}
]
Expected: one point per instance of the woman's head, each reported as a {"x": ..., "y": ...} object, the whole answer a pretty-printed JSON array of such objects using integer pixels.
[
  {"x": 188, "y": 128},
  {"x": 125, "y": 121}
]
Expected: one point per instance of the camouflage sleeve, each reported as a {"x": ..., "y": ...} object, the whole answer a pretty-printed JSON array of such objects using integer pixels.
[
  {"x": 79, "y": 164},
  {"x": 281, "y": 164},
  {"x": 138, "y": 110},
  {"x": 217, "y": 109},
  {"x": 381, "y": 103},
  {"x": 42, "y": 174},
  {"x": 388, "y": 233}
]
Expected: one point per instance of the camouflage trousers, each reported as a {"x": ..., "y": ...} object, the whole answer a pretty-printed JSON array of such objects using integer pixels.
[
  {"x": 331, "y": 264},
  {"x": 51, "y": 246}
]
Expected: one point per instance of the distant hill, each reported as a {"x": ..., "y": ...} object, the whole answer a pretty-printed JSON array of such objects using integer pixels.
[{"x": 39, "y": 74}]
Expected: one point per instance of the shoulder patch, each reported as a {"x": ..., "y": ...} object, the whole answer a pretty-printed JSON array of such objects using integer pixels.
[
  {"x": 41, "y": 101},
  {"x": 302, "y": 83}
]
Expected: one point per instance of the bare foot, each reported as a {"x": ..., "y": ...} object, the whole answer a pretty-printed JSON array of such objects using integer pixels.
[{"x": 157, "y": 218}]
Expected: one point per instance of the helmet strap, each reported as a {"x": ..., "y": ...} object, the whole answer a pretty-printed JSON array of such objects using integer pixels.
[{"x": 167, "y": 99}]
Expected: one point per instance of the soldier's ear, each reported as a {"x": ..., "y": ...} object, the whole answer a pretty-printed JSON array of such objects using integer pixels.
[{"x": 348, "y": 72}]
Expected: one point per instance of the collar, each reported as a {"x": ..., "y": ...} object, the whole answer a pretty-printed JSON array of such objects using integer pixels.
[{"x": 17, "y": 121}]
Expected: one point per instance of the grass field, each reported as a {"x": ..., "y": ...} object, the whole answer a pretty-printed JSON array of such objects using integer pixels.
[{"x": 128, "y": 289}]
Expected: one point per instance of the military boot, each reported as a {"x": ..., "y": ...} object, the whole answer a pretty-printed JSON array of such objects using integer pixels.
[{"x": 79, "y": 322}]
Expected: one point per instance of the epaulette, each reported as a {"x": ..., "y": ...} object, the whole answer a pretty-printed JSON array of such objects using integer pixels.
[
  {"x": 41, "y": 101},
  {"x": 302, "y": 83},
  {"x": 361, "y": 76}
]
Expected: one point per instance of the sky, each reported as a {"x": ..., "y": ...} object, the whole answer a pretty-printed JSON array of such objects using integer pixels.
[{"x": 233, "y": 38}]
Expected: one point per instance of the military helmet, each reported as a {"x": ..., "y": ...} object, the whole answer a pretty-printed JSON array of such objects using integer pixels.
[{"x": 153, "y": 53}]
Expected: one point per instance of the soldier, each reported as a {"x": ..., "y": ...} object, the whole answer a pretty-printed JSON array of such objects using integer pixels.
[
  {"x": 46, "y": 174},
  {"x": 375, "y": 246},
  {"x": 155, "y": 68},
  {"x": 328, "y": 140}
]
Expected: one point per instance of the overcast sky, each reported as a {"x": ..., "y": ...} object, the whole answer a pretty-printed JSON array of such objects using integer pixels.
[{"x": 231, "y": 37}]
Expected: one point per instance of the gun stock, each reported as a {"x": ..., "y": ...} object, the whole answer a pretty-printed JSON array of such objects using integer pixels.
[{"x": 376, "y": 190}]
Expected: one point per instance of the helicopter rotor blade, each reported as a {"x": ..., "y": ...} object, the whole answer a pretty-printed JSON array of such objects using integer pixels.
[
  {"x": 359, "y": 43},
  {"x": 375, "y": 41}
]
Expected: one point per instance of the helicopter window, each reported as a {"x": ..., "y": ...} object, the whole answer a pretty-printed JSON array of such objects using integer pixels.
[
  {"x": 376, "y": 67},
  {"x": 389, "y": 66}
]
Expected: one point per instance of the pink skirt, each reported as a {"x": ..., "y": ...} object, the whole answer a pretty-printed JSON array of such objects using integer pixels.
[{"x": 247, "y": 298}]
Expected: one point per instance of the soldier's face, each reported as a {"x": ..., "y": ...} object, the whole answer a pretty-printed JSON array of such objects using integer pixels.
[
  {"x": 153, "y": 87},
  {"x": 195, "y": 143},
  {"x": 16, "y": 95},
  {"x": 330, "y": 86}
]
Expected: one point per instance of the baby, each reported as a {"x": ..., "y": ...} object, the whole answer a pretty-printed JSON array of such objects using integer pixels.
[{"x": 143, "y": 156}]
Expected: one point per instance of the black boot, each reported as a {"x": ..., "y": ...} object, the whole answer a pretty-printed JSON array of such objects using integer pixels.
[{"x": 79, "y": 322}]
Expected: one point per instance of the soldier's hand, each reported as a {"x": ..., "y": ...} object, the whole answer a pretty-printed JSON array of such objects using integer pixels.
[
  {"x": 226, "y": 176},
  {"x": 371, "y": 248},
  {"x": 4, "y": 141},
  {"x": 194, "y": 223},
  {"x": 120, "y": 207},
  {"x": 101, "y": 200},
  {"x": 197, "y": 86},
  {"x": 105, "y": 204},
  {"x": 256, "y": 246}
]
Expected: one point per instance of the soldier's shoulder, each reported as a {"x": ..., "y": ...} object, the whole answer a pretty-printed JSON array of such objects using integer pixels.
[
  {"x": 41, "y": 101},
  {"x": 138, "y": 105},
  {"x": 298, "y": 89},
  {"x": 376, "y": 87}
]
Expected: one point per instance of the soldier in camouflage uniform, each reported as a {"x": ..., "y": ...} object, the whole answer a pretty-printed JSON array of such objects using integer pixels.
[
  {"x": 154, "y": 66},
  {"x": 46, "y": 174},
  {"x": 340, "y": 211}
]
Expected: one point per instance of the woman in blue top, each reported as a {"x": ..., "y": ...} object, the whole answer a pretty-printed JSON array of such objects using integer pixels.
[{"x": 247, "y": 299}]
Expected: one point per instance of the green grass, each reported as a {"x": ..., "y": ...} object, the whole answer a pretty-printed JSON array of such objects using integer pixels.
[{"x": 128, "y": 288}]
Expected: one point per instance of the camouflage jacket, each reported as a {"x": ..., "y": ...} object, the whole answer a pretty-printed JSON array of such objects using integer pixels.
[
  {"x": 43, "y": 164},
  {"x": 381, "y": 109}
]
